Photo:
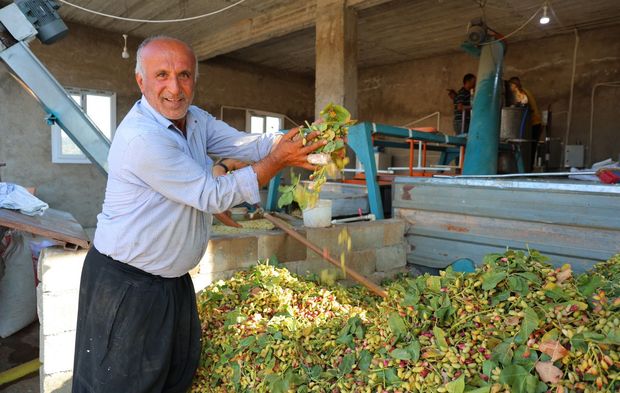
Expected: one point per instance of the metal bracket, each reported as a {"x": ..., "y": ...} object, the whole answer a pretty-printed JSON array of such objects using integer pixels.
[
  {"x": 16, "y": 23},
  {"x": 50, "y": 119}
]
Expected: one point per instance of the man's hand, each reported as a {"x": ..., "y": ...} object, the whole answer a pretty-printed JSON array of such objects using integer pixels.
[{"x": 289, "y": 151}]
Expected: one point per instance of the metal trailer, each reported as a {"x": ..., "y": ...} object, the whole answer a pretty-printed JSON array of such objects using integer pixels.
[{"x": 450, "y": 219}]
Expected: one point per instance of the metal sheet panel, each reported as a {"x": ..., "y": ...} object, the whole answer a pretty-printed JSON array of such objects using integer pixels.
[
  {"x": 568, "y": 203},
  {"x": 448, "y": 219}
]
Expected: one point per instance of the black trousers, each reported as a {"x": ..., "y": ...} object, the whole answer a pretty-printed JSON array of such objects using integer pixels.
[{"x": 136, "y": 332}]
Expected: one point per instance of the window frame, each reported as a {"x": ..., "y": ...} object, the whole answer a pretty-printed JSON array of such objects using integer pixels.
[
  {"x": 249, "y": 113},
  {"x": 57, "y": 156}
]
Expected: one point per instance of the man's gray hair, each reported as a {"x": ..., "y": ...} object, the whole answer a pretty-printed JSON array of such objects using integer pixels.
[{"x": 140, "y": 69}]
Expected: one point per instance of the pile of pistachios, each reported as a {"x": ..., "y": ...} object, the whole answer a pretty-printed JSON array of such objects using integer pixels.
[{"x": 516, "y": 324}]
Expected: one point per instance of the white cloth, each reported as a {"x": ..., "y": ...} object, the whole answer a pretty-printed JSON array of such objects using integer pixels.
[
  {"x": 608, "y": 163},
  {"x": 16, "y": 197}
]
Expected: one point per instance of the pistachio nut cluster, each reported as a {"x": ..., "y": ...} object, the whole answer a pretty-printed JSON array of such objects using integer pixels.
[
  {"x": 332, "y": 126},
  {"x": 516, "y": 324}
]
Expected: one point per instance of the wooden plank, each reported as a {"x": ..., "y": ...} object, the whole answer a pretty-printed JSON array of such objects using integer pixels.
[{"x": 54, "y": 224}]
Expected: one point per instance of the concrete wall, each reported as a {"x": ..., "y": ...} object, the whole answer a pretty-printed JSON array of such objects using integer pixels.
[
  {"x": 227, "y": 82},
  {"x": 400, "y": 93},
  {"x": 90, "y": 58},
  {"x": 378, "y": 251}
]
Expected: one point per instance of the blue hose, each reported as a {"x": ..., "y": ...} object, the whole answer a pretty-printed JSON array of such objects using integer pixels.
[{"x": 522, "y": 128}]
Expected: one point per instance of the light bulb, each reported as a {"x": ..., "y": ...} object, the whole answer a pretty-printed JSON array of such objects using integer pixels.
[
  {"x": 125, "y": 54},
  {"x": 544, "y": 19}
]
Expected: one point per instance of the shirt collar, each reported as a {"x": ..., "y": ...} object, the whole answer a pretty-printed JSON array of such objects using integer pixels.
[{"x": 164, "y": 122}]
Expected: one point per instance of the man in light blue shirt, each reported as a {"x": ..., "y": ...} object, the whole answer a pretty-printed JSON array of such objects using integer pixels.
[{"x": 138, "y": 329}]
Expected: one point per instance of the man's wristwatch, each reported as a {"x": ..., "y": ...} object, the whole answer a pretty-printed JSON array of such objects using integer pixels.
[{"x": 220, "y": 163}]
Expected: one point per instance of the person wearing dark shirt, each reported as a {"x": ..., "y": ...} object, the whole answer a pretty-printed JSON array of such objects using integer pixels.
[{"x": 462, "y": 104}]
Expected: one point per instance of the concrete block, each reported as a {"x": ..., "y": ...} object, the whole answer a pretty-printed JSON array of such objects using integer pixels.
[
  {"x": 316, "y": 266},
  {"x": 284, "y": 247},
  {"x": 366, "y": 235},
  {"x": 379, "y": 277},
  {"x": 324, "y": 238},
  {"x": 391, "y": 257},
  {"x": 56, "y": 352},
  {"x": 60, "y": 269},
  {"x": 56, "y": 382},
  {"x": 229, "y": 253},
  {"x": 363, "y": 262},
  {"x": 393, "y": 231},
  {"x": 58, "y": 312}
]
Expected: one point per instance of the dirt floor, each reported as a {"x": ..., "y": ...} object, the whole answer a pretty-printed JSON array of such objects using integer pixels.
[{"x": 17, "y": 349}]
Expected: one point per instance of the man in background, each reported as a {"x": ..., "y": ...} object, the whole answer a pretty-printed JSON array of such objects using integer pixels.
[
  {"x": 523, "y": 97},
  {"x": 462, "y": 104}
]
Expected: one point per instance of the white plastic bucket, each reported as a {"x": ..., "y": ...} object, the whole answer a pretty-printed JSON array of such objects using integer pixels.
[{"x": 319, "y": 216}]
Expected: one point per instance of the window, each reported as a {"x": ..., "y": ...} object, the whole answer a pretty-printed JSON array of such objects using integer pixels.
[
  {"x": 263, "y": 122},
  {"x": 100, "y": 106}
]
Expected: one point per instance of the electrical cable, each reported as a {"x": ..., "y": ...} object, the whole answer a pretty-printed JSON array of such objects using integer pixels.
[
  {"x": 572, "y": 88},
  {"x": 152, "y": 21},
  {"x": 608, "y": 84},
  {"x": 513, "y": 32}
]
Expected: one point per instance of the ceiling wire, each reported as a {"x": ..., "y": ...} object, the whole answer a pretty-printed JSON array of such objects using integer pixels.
[
  {"x": 518, "y": 29},
  {"x": 152, "y": 21}
]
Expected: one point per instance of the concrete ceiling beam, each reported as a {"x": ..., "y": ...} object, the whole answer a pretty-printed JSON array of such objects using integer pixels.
[{"x": 286, "y": 19}]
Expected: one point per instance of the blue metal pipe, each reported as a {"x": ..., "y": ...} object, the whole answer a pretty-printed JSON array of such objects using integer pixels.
[{"x": 483, "y": 139}]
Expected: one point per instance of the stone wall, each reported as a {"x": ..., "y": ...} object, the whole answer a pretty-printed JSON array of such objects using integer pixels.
[
  {"x": 57, "y": 303},
  {"x": 378, "y": 250}
]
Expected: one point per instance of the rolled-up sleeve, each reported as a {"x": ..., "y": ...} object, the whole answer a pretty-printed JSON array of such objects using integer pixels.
[{"x": 248, "y": 184}]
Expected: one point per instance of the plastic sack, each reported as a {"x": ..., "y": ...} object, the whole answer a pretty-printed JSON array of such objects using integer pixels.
[
  {"x": 16, "y": 197},
  {"x": 18, "y": 301}
]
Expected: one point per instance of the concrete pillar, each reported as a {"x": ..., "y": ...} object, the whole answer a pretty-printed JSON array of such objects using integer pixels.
[{"x": 336, "y": 55}]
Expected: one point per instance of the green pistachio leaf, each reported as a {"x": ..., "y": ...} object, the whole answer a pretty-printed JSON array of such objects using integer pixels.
[
  {"x": 491, "y": 279},
  {"x": 516, "y": 377},
  {"x": 364, "y": 360},
  {"x": 285, "y": 199},
  {"x": 400, "y": 354},
  {"x": 346, "y": 365},
  {"x": 503, "y": 353},
  {"x": 528, "y": 325},
  {"x": 456, "y": 386},
  {"x": 397, "y": 324},
  {"x": 440, "y": 338}
]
